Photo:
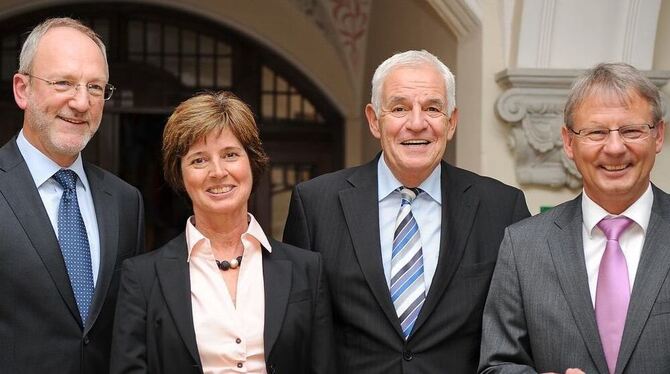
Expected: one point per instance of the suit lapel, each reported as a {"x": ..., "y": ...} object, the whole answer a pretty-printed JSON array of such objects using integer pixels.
[
  {"x": 459, "y": 206},
  {"x": 277, "y": 283},
  {"x": 108, "y": 228},
  {"x": 175, "y": 283},
  {"x": 361, "y": 212},
  {"x": 652, "y": 272},
  {"x": 566, "y": 250},
  {"x": 18, "y": 189}
]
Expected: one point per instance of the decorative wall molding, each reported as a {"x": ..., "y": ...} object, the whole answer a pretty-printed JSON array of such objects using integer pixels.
[
  {"x": 461, "y": 16},
  {"x": 345, "y": 24},
  {"x": 533, "y": 104}
]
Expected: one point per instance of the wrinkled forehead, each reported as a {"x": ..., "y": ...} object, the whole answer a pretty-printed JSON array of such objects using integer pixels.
[
  {"x": 610, "y": 97},
  {"x": 410, "y": 81}
]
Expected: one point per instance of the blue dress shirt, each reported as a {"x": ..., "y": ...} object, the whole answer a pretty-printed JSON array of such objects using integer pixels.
[
  {"x": 427, "y": 210},
  {"x": 42, "y": 168}
]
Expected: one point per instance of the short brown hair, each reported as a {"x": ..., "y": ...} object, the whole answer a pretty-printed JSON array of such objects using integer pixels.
[{"x": 201, "y": 115}]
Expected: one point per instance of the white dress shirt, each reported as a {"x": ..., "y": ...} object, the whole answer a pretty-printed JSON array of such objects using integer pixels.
[
  {"x": 426, "y": 209},
  {"x": 631, "y": 240},
  {"x": 42, "y": 169}
]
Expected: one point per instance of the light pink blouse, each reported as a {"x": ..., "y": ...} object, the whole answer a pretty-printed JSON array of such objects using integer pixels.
[{"x": 229, "y": 336}]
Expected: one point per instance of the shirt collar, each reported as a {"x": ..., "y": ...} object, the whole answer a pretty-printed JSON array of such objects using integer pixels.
[
  {"x": 254, "y": 232},
  {"x": 639, "y": 211},
  {"x": 42, "y": 167},
  {"x": 387, "y": 182}
]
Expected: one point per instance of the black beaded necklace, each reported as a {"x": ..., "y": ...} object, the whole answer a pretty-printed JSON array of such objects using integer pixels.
[{"x": 232, "y": 264}]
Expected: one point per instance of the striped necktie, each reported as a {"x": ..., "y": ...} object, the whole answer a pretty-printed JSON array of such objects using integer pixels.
[{"x": 408, "y": 288}]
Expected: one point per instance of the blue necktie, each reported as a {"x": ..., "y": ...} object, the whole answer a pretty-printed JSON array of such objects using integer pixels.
[
  {"x": 408, "y": 288},
  {"x": 74, "y": 242}
]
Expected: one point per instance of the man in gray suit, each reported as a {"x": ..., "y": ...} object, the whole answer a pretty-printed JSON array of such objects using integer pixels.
[
  {"x": 585, "y": 285},
  {"x": 66, "y": 225}
]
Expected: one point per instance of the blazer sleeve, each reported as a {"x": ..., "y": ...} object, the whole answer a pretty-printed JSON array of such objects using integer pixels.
[
  {"x": 505, "y": 346},
  {"x": 129, "y": 345},
  {"x": 323, "y": 341},
  {"x": 296, "y": 230},
  {"x": 520, "y": 207}
]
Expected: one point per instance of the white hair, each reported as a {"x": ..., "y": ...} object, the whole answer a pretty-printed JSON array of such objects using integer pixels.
[{"x": 412, "y": 58}]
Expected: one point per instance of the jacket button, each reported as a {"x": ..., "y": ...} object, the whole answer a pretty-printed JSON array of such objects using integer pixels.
[
  {"x": 86, "y": 340},
  {"x": 408, "y": 355}
]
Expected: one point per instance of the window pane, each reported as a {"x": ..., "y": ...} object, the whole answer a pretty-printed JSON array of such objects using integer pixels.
[
  {"x": 266, "y": 106},
  {"x": 296, "y": 111},
  {"x": 282, "y": 86},
  {"x": 222, "y": 48},
  {"x": 206, "y": 72},
  {"x": 188, "y": 71},
  {"x": 188, "y": 42},
  {"x": 172, "y": 65},
  {"x": 135, "y": 36},
  {"x": 281, "y": 107},
  {"x": 206, "y": 45},
  {"x": 153, "y": 37},
  {"x": 267, "y": 79},
  {"x": 171, "y": 40},
  {"x": 223, "y": 72}
]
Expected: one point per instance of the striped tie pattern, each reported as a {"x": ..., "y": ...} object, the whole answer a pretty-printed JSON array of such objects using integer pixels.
[
  {"x": 408, "y": 289},
  {"x": 73, "y": 242}
]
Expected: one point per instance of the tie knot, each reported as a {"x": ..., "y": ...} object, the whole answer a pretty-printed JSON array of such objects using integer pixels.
[
  {"x": 613, "y": 227},
  {"x": 66, "y": 178},
  {"x": 409, "y": 194}
]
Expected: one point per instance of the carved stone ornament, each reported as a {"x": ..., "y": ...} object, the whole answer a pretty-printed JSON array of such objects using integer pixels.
[{"x": 533, "y": 105}]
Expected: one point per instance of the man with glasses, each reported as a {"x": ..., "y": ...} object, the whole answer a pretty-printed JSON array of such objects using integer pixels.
[
  {"x": 66, "y": 224},
  {"x": 408, "y": 241},
  {"x": 585, "y": 287}
]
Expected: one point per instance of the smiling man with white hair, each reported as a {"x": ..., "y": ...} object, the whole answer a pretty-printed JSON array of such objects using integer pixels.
[{"x": 408, "y": 241}]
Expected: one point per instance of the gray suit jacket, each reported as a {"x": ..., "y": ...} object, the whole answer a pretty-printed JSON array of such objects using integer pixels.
[
  {"x": 40, "y": 327},
  {"x": 539, "y": 315}
]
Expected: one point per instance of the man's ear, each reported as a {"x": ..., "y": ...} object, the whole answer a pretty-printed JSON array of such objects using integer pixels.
[
  {"x": 373, "y": 121},
  {"x": 21, "y": 90},
  {"x": 567, "y": 142},
  {"x": 452, "y": 122}
]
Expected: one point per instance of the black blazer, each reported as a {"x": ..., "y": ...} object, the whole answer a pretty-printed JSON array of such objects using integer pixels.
[
  {"x": 40, "y": 327},
  {"x": 338, "y": 215},
  {"x": 154, "y": 327}
]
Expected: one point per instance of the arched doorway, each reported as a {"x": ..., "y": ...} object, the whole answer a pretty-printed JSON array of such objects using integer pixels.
[{"x": 158, "y": 57}]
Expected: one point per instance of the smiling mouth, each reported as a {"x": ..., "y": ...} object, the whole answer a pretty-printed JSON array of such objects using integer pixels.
[
  {"x": 615, "y": 167},
  {"x": 415, "y": 142},
  {"x": 72, "y": 121},
  {"x": 220, "y": 190}
]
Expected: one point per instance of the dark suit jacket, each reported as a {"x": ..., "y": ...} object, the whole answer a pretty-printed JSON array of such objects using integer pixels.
[
  {"x": 154, "y": 331},
  {"x": 40, "y": 327},
  {"x": 539, "y": 315},
  {"x": 338, "y": 215}
]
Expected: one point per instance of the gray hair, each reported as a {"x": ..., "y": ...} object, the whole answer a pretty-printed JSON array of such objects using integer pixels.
[
  {"x": 412, "y": 58},
  {"x": 619, "y": 79},
  {"x": 29, "y": 48}
]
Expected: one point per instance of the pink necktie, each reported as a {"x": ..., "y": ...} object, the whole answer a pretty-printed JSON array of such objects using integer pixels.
[{"x": 613, "y": 290}]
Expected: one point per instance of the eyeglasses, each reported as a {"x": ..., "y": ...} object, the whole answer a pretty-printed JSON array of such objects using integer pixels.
[
  {"x": 65, "y": 86},
  {"x": 628, "y": 133},
  {"x": 403, "y": 112}
]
